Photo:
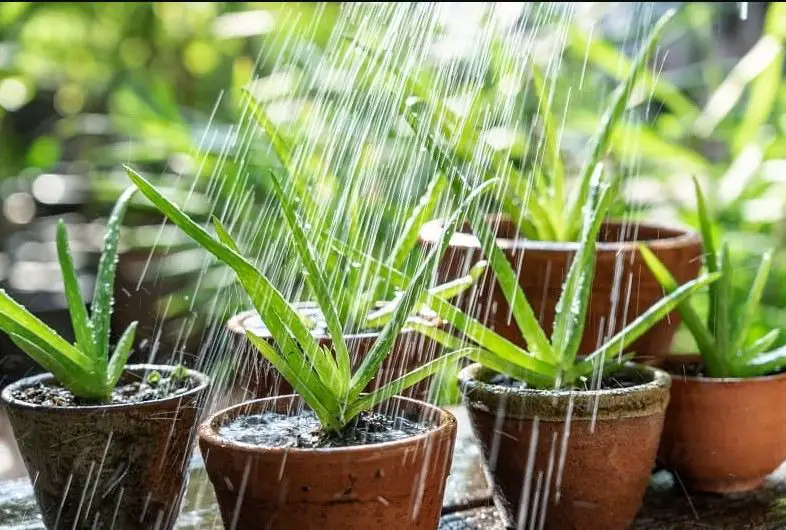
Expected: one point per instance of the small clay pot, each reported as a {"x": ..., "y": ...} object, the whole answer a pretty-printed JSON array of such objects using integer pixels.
[
  {"x": 108, "y": 466},
  {"x": 722, "y": 435},
  {"x": 623, "y": 287},
  {"x": 393, "y": 485},
  {"x": 258, "y": 378},
  {"x": 568, "y": 459}
]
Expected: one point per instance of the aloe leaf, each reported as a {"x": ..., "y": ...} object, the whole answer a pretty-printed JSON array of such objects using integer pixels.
[
  {"x": 422, "y": 212},
  {"x": 73, "y": 378},
  {"x": 710, "y": 254},
  {"x": 76, "y": 303},
  {"x": 325, "y": 367},
  {"x": 282, "y": 148},
  {"x": 723, "y": 331},
  {"x": 307, "y": 387},
  {"x": 519, "y": 367},
  {"x": 446, "y": 291},
  {"x": 408, "y": 380},
  {"x": 26, "y": 324},
  {"x": 761, "y": 365},
  {"x": 605, "y": 56},
  {"x": 373, "y": 360},
  {"x": 704, "y": 338},
  {"x": 503, "y": 270},
  {"x": 268, "y": 301},
  {"x": 101, "y": 306},
  {"x": 743, "y": 324},
  {"x": 120, "y": 356},
  {"x": 470, "y": 327},
  {"x": 571, "y": 309},
  {"x": 599, "y": 143},
  {"x": 550, "y": 144},
  {"x": 318, "y": 286},
  {"x": 650, "y": 317},
  {"x": 759, "y": 346}
]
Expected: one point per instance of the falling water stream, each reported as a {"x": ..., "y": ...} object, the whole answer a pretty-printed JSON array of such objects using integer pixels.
[{"x": 363, "y": 168}]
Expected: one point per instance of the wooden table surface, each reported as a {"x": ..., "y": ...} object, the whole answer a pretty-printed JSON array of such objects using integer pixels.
[{"x": 467, "y": 504}]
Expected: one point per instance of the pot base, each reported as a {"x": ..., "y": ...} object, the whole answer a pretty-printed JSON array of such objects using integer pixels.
[{"x": 730, "y": 485}]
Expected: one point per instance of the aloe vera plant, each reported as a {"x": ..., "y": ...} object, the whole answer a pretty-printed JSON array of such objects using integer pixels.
[
  {"x": 551, "y": 361},
  {"x": 323, "y": 379},
  {"x": 540, "y": 200},
  {"x": 85, "y": 367},
  {"x": 722, "y": 339}
]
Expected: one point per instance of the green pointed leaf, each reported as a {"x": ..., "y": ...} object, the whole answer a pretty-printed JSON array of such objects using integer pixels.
[
  {"x": 761, "y": 365},
  {"x": 309, "y": 388},
  {"x": 76, "y": 303},
  {"x": 723, "y": 302},
  {"x": 470, "y": 327},
  {"x": 744, "y": 322},
  {"x": 503, "y": 270},
  {"x": 28, "y": 325},
  {"x": 705, "y": 340},
  {"x": 551, "y": 156},
  {"x": 318, "y": 285},
  {"x": 759, "y": 346},
  {"x": 571, "y": 309},
  {"x": 404, "y": 382},
  {"x": 599, "y": 143},
  {"x": 373, "y": 360},
  {"x": 71, "y": 377},
  {"x": 105, "y": 281},
  {"x": 119, "y": 358},
  {"x": 616, "y": 345}
]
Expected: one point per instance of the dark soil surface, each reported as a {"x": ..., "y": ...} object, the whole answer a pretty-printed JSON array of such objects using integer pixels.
[
  {"x": 271, "y": 429},
  {"x": 610, "y": 382},
  {"x": 54, "y": 395}
]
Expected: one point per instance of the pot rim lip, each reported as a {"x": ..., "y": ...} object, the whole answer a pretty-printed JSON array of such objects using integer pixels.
[
  {"x": 691, "y": 359},
  {"x": 235, "y": 324},
  {"x": 207, "y": 433},
  {"x": 7, "y": 397},
  {"x": 431, "y": 230},
  {"x": 660, "y": 379}
]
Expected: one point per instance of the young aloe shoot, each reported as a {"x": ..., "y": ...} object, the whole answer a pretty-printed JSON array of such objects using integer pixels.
[
  {"x": 85, "y": 368},
  {"x": 324, "y": 380},
  {"x": 723, "y": 340},
  {"x": 554, "y": 364}
]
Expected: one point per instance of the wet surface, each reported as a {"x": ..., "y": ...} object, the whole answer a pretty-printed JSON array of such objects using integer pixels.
[{"x": 466, "y": 506}]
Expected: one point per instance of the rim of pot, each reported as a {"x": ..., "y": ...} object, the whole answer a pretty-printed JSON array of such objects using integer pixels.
[
  {"x": 237, "y": 324},
  {"x": 208, "y": 431},
  {"x": 553, "y": 405},
  {"x": 679, "y": 236},
  {"x": 8, "y": 398},
  {"x": 693, "y": 359}
]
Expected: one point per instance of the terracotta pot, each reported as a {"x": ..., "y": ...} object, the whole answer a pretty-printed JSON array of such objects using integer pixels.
[
  {"x": 567, "y": 459},
  {"x": 394, "y": 485},
  {"x": 258, "y": 378},
  {"x": 723, "y": 434},
  {"x": 543, "y": 265},
  {"x": 108, "y": 466}
]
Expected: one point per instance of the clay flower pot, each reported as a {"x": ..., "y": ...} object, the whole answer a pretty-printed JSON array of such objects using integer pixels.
[
  {"x": 108, "y": 466},
  {"x": 393, "y": 485},
  {"x": 568, "y": 459},
  {"x": 257, "y": 377},
  {"x": 622, "y": 289},
  {"x": 722, "y": 434}
]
